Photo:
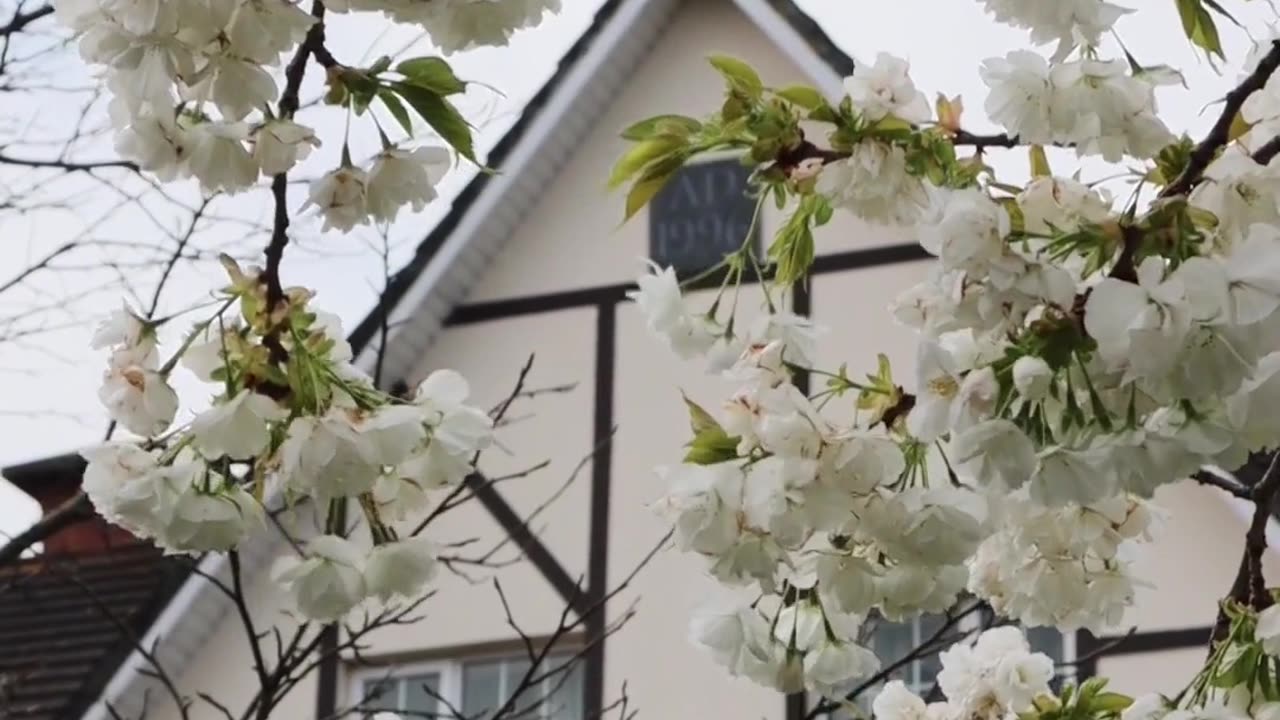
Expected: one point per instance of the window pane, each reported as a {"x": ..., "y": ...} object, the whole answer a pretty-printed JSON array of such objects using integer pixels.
[
  {"x": 418, "y": 702},
  {"x": 1046, "y": 640},
  {"x": 892, "y": 641},
  {"x": 565, "y": 702},
  {"x": 380, "y": 694},
  {"x": 487, "y": 685},
  {"x": 481, "y": 688}
]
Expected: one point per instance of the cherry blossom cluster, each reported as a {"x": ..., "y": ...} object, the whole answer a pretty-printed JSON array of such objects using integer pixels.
[
  {"x": 456, "y": 25},
  {"x": 829, "y": 522},
  {"x": 1072, "y": 357},
  {"x": 193, "y": 85},
  {"x": 994, "y": 677},
  {"x": 185, "y": 78},
  {"x": 291, "y": 420}
]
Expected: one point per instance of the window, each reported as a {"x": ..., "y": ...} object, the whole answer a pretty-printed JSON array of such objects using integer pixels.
[
  {"x": 412, "y": 693},
  {"x": 892, "y": 641},
  {"x": 476, "y": 688}
]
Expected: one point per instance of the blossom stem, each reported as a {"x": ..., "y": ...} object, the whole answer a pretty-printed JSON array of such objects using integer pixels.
[{"x": 199, "y": 328}]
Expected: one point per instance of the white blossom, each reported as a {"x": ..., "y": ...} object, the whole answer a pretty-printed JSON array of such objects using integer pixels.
[
  {"x": 400, "y": 569},
  {"x": 833, "y": 666},
  {"x": 237, "y": 428},
  {"x": 341, "y": 196},
  {"x": 884, "y": 88},
  {"x": 328, "y": 456},
  {"x": 1021, "y": 95},
  {"x": 1032, "y": 377},
  {"x": 702, "y": 503},
  {"x": 218, "y": 158},
  {"x": 278, "y": 145},
  {"x": 125, "y": 328},
  {"x": 896, "y": 702},
  {"x": 874, "y": 184},
  {"x": 262, "y": 29},
  {"x": 1067, "y": 22},
  {"x": 209, "y": 521},
  {"x": 659, "y": 298},
  {"x": 1051, "y": 204},
  {"x": 157, "y": 143},
  {"x": 109, "y": 468},
  {"x": 137, "y": 396},
  {"x": 965, "y": 229},
  {"x": 404, "y": 177},
  {"x": 1240, "y": 193},
  {"x": 236, "y": 85},
  {"x": 456, "y": 25},
  {"x": 328, "y": 582}
]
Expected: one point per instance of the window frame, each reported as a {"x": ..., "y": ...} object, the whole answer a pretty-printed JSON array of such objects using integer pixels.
[
  {"x": 972, "y": 623},
  {"x": 450, "y": 669}
]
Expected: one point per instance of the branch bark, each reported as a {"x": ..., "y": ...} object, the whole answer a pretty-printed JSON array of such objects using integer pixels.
[
  {"x": 294, "y": 74},
  {"x": 74, "y": 510},
  {"x": 1220, "y": 134},
  {"x": 1249, "y": 586}
]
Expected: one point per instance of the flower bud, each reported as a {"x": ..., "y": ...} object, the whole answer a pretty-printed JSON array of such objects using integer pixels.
[{"x": 1032, "y": 377}]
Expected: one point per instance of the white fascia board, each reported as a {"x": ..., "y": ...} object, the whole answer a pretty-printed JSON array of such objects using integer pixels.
[{"x": 794, "y": 46}]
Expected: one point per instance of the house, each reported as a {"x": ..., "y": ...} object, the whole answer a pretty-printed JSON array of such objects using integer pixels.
[{"x": 533, "y": 261}]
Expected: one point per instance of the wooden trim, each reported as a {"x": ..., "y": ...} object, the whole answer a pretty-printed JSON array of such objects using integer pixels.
[
  {"x": 529, "y": 543},
  {"x": 599, "y": 295},
  {"x": 598, "y": 533}
]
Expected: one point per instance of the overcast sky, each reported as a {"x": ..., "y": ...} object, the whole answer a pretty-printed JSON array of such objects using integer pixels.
[{"x": 49, "y": 388}]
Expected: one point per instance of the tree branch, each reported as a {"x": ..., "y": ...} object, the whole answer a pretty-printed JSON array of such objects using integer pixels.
[
  {"x": 21, "y": 20},
  {"x": 1220, "y": 134},
  {"x": 1268, "y": 151},
  {"x": 1249, "y": 586},
  {"x": 1206, "y": 477},
  {"x": 76, "y": 509},
  {"x": 294, "y": 73},
  {"x": 67, "y": 165}
]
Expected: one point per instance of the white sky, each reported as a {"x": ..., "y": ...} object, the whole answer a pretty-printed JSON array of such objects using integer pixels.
[{"x": 49, "y": 387}]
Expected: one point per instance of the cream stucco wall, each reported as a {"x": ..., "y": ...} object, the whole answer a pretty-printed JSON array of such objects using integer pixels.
[
  {"x": 577, "y": 222},
  {"x": 573, "y": 240}
]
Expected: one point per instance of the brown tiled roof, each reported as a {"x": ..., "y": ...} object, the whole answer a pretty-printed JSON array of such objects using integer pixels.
[{"x": 67, "y": 623}]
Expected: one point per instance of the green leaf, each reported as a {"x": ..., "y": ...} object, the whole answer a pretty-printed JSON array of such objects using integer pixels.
[
  {"x": 1110, "y": 702},
  {"x": 712, "y": 446},
  {"x": 1237, "y": 666},
  {"x": 432, "y": 73},
  {"x": 641, "y": 155},
  {"x": 646, "y": 129},
  {"x": 1039, "y": 162},
  {"x": 892, "y": 124},
  {"x": 802, "y": 96},
  {"x": 1217, "y": 7},
  {"x": 397, "y": 109},
  {"x": 651, "y": 181},
  {"x": 1172, "y": 160},
  {"x": 699, "y": 419},
  {"x": 441, "y": 115},
  {"x": 740, "y": 75},
  {"x": 1199, "y": 27}
]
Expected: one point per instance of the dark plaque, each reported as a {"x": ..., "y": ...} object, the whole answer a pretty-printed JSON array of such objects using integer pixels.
[{"x": 701, "y": 215}]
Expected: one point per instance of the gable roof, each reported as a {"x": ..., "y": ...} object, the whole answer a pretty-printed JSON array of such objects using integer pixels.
[
  {"x": 450, "y": 259},
  {"x": 66, "y": 623}
]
